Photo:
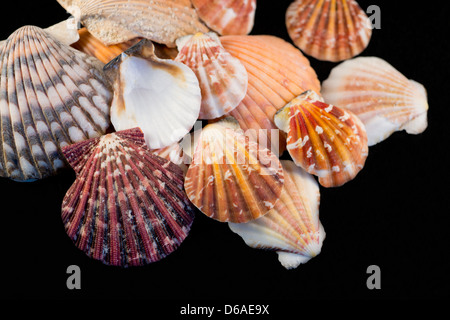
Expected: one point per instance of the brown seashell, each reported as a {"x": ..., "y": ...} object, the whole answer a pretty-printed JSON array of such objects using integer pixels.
[
  {"x": 126, "y": 207},
  {"x": 331, "y": 30},
  {"x": 292, "y": 228},
  {"x": 383, "y": 98},
  {"x": 323, "y": 139},
  {"x": 277, "y": 73},
  {"x": 231, "y": 178},
  {"x": 222, "y": 77},
  {"x": 50, "y": 96},
  {"x": 117, "y": 21},
  {"x": 227, "y": 17}
]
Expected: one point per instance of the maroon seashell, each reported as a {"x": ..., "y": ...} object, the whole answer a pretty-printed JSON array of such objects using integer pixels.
[{"x": 127, "y": 207}]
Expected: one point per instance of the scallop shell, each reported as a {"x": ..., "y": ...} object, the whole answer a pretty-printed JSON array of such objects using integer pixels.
[
  {"x": 384, "y": 99},
  {"x": 292, "y": 228},
  {"x": 117, "y": 21},
  {"x": 331, "y": 30},
  {"x": 50, "y": 96},
  {"x": 323, "y": 139},
  {"x": 232, "y": 178},
  {"x": 126, "y": 207},
  {"x": 222, "y": 78},
  {"x": 227, "y": 17},
  {"x": 162, "y": 97},
  {"x": 90, "y": 45},
  {"x": 277, "y": 73}
]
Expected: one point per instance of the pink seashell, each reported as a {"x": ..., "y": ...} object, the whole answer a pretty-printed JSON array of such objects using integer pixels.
[
  {"x": 126, "y": 207},
  {"x": 222, "y": 78},
  {"x": 227, "y": 16}
]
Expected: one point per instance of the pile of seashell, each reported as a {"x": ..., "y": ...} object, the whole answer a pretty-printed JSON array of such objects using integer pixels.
[{"x": 118, "y": 99}]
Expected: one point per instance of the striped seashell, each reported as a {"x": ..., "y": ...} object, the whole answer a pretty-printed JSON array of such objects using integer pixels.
[
  {"x": 331, "y": 30},
  {"x": 227, "y": 17},
  {"x": 383, "y": 98},
  {"x": 222, "y": 77},
  {"x": 94, "y": 47},
  {"x": 277, "y": 73},
  {"x": 323, "y": 139},
  {"x": 50, "y": 96},
  {"x": 126, "y": 207},
  {"x": 117, "y": 21},
  {"x": 292, "y": 228},
  {"x": 231, "y": 178},
  {"x": 162, "y": 97}
]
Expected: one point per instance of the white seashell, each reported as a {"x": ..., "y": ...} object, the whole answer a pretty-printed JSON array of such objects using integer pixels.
[
  {"x": 384, "y": 99},
  {"x": 162, "y": 97}
]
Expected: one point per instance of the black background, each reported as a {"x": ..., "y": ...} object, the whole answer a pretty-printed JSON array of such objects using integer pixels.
[{"x": 394, "y": 214}]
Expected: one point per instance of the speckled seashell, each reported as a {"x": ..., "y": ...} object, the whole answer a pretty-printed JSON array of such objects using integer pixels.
[
  {"x": 231, "y": 178},
  {"x": 227, "y": 17},
  {"x": 277, "y": 73},
  {"x": 50, "y": 96},
  {"x": 292, "y": 228},
  {"x": 90, "y": 45},
  {"x": 222, "y": 77},
  {"x": 323, "y": 139},
  {"x": 126, "y": 207},
  {"x": 117, "y": 21},
  {"x": 383, "y": 98},
  {"x": 331, "y": 30},
  {"x": 160, "y": 96}
]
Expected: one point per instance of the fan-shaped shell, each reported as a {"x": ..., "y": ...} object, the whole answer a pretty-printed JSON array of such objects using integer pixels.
[
  {"x": 162, "y": 97},
  {"x": 50, "y": 96},
  {"x": 126, "y": 207},
  {"x": 227, "y": 16},
  {"x": 277, "y": 73},
  {"x": 231, "y": 178},
  {"x": 384, "y": 99},
  {"x": 331, "y": 30},
  {"x": 222, "y": 77},
  {"x": 175, "y": 154},
  {"x": 323, "y": 139},
  {"x": 117, "y": 21},
  {"x": 292, "y": 227}
]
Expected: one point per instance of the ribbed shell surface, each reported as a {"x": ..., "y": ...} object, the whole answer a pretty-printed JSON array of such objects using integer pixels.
[
  {"x": 292, "y": 227},
  {"x": 126, "y": 207},
  {"x": 222, "y": 77},
  {"x": 277, "y": 73},
  {"x": 331, "y": 30},
  {"x": 227, "y": 17},
  {"x": 383, "y": 98},
  {"x": 231, "y": 178},
  {"x": 323, "y": 139},
  {"x": 50, "y": 96},
  {"x": 116, "y": 21}
]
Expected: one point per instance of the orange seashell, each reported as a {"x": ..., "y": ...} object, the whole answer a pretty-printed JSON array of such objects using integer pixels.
[
  {"x": 277, "y": 73},
  {"x": 222, "y": 77},
  {"x": 227, "y": 16},
  {"x": 117, "y": 21},
  {"x": 331, "y": 30},
  {"x": 323, "y": 139},
  {"x": 94, "y": 47},
  {"x": 383, "y": 98},
  {"x": 231, "y": 178},
  {"x": 292, "y": 228}
]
